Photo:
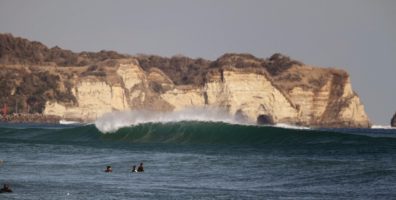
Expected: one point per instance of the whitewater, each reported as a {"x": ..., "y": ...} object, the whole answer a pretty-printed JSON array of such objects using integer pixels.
[
  {"x": 195, "y": 154},
  {"x": 113, "y": 121}
]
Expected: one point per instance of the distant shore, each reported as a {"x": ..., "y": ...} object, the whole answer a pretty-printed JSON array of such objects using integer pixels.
[{"x": 30, "y": 118}]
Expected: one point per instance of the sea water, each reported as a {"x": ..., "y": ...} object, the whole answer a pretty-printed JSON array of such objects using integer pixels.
[{"x": 196, "y": 160}]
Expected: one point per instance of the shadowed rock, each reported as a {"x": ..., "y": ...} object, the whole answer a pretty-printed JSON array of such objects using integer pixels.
[{"x": 265, "y": 120}]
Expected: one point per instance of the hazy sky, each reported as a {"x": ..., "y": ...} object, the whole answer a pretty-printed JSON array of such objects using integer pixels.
[{"x": 356, "y": 35}]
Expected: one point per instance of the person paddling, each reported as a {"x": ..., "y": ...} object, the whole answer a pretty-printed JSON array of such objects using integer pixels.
[
  {"x": 134, "y": 168},
  {"x": 140, "y": 168},
  {"x": 6, "y": 188},
  {"x": 108, "y": 169}
]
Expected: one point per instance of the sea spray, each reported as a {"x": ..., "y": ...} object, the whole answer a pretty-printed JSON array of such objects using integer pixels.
[{"x": 113, "y": 121}]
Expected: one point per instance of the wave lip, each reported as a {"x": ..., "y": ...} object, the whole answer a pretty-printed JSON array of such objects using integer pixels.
[
  {"x": 113, "y": 121},
  {"x": 288, "y": 126}
]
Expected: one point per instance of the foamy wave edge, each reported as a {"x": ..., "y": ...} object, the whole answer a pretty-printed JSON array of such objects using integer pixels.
[
  {"x": 288, "y": 126},
  {"x": 382, "y": 127},
  {"x": 111, "y": 122}
]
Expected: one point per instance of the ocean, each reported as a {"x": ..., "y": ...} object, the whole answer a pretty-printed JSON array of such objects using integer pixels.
[{"x": 196, "y": 160}]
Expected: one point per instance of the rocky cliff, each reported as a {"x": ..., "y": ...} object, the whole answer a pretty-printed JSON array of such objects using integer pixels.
[
  {"x": 84, "y": 86},
  {"x": 393, "y": 121}
]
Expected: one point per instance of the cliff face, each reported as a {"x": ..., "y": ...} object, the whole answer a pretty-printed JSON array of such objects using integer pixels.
[
  {"x": 393, "y": 120},
  {"x": 287, "y": 91}
]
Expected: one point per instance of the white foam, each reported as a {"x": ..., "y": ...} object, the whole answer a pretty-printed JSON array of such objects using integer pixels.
[
  {"x": 113, "y": 121},
  {"x": 288, "y": 126},
  {"x": 65, "y": 122},
  {"x": 382, "y": 127}
]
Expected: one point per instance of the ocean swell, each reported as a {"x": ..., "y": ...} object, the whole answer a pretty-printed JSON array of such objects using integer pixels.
[{"x": 202, "y": 132}]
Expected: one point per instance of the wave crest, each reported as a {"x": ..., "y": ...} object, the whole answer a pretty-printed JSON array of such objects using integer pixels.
[{"x": 113, "y": 121}]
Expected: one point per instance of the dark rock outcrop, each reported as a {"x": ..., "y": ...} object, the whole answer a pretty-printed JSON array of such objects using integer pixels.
[{"x": 393, "y": 121}]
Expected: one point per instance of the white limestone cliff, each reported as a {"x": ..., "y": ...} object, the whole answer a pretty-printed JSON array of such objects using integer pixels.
[{"x": 240, "y": 92}]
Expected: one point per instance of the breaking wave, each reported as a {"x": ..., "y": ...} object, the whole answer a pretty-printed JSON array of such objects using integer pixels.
[
  {"x": 201, "y": 132},
  {"x": 193, "y": 126},
  {"x": 113, "y": 121}
]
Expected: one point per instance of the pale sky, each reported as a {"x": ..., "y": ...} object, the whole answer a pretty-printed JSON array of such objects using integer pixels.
[{"x": 358, "y": 36}]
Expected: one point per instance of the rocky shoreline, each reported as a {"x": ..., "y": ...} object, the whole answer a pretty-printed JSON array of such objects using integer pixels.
[{"x": 30, "y": 118}]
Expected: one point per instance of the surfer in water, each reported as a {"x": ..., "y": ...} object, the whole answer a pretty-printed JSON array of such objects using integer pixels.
[
  {"x": 108, "y": 169},
  {"x": 134, "y": 168},
  {"x": 140, "y": 168},
  {"x": 6, "y": 188}
]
